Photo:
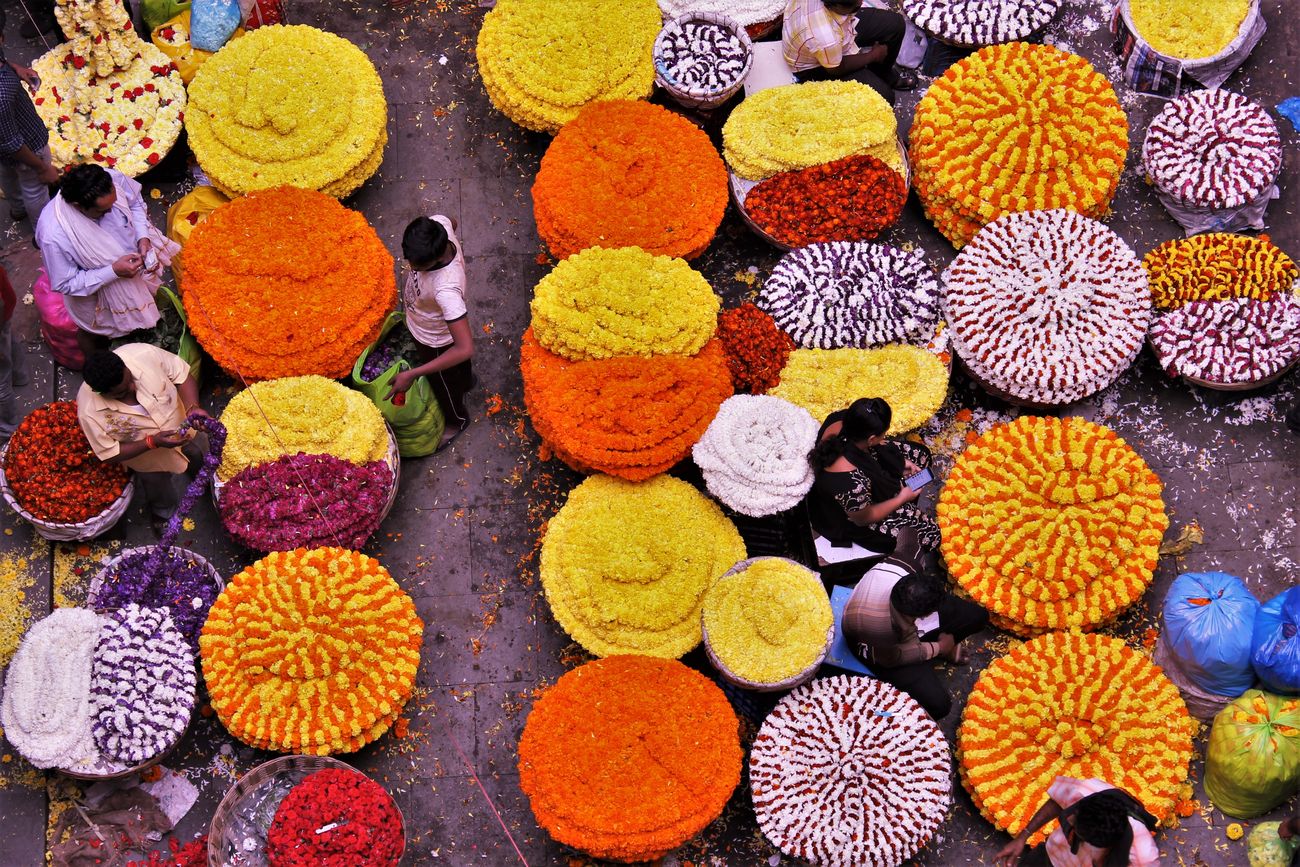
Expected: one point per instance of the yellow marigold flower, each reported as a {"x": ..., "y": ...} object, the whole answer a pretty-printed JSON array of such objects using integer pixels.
[
  {"x": 288, "y": 105},
  {"x": 768, "y": 622},
  {"x": 311, "y": 651},
  {"x": 605, "y": 303},
  {"x": 308, "y": 414},
  {"x": 1038, "y": 525},
  {"x": 1141, "y": 742},
  {"x": 913, "y": 381},
  {"x": 1235, "y": 831},
  {"x": 625, "y": 565},
  {"x": 1217, "y": 266},
  {"x": 803, "y": 125},
  {"x": 1188, "y": 29},
  {"x": 543, "y": 60}
]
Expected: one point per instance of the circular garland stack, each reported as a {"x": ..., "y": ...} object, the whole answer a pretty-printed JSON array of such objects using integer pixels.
[{"x": 973, "y": 23}]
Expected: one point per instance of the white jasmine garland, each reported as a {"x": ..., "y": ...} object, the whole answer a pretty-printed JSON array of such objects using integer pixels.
[
  {"x": 852, "y": 295},
  {"x": 754, "y": 454},
  {"x": 46, "y": 710},
  {"x": 1213, "y": 149},
  {"x": 743, "y": 12},
  {"x": 1233, "y": 341},
  {"x": 981, "y": 22},
  {"x": 849, "y": 771},
  {"x": 1047, "y": 306},
  {"x": 142, "y": 685}
]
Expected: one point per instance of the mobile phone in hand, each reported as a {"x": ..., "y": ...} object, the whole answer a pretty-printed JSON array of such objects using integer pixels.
[
  {"x": 920, "y": 480},
  {"x": 151, "y": 261}
]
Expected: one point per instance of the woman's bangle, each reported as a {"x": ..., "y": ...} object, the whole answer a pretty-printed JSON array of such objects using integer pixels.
[{"x": 148, "y": 441}]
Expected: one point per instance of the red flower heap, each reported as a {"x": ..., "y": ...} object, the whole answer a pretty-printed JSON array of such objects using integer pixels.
[
  {"x": 756, "y": 348},
  {"x": 52, "y": 471},
  {"x": 336, "y": 817},
  {"x": 850, "y": 199}
]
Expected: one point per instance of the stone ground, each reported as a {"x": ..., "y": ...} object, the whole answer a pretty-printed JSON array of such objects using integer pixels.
[{"x": 463, "y": 536}]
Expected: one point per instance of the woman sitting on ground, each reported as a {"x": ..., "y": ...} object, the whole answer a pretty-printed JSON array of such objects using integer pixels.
[{"x": 859, "y": 495}]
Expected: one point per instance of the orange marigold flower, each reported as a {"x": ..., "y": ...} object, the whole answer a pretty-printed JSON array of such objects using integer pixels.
[
  {"x": 628, "y": 416},
  {"x": 1075, "y": 705},
  {"x": 628, "y": 757},
  {"x": 630, "y": 174},
  {"x": 286, "y": 282}
]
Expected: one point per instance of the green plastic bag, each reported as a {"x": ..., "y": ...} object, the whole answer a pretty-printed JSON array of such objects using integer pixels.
[
  {"x": 417, "y": 423},
  {"x": 1265, "y": 848},
  {"x": 158, "y": 12},
  {"x": 1252, "y": 763}
]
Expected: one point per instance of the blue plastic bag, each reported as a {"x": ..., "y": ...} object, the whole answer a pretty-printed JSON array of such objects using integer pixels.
[
  {"x": 213, "y": 22},
  {"x": 1208, "y": 619},
  {"x": 1277, "y": 644}
]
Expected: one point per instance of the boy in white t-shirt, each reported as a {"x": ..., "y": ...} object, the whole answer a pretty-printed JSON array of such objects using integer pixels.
[{"x": 437, "y": 317}]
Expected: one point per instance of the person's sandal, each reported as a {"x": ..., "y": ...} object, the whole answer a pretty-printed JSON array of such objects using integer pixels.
[{"x": 451, "y": 439}]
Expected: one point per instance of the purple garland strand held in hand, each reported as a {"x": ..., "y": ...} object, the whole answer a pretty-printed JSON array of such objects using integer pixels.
[{"x": 268, "y": 507}]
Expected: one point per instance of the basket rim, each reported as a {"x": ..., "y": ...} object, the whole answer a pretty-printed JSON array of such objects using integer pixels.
[
  {"x": 676, "y": 88},
  {"x": 12, "y": 500}
]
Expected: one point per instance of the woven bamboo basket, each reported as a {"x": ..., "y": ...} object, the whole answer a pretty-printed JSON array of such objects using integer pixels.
[
  {"x": 789, "y": 683},
  {"x": 222, "y": 845},
  {"x": 740, "y": 189},
  {"x": 1230, "y": 386},
  {"x": 135, "y": 769},
  {"x": 699, "y": 97},
  {"x": 88, "y": 529}
]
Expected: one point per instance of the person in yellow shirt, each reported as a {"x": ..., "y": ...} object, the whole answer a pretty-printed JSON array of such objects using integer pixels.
[
  {"x": 838, "y": 39},
  {"x": 131, "y": 407}
]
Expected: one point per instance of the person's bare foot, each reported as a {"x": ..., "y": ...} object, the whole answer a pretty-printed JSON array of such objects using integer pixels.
[
  {"x": 449, "y": 436},
  {"x": 959, "y": 654}
]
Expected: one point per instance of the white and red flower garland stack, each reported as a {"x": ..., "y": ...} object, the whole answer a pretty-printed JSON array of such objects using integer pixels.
[
  {"x": 1047, "y": 307},
  {"x": 1236, "y": 341},
  {"x": 849, "y": 771},
  {"x": 981, "y": 22},
  {"x": 1213, "y": 149}
]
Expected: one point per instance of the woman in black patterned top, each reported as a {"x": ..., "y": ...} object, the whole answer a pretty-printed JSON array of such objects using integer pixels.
[{"x": 859, "y": 495}]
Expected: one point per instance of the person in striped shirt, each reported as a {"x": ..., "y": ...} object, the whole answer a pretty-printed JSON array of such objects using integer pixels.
[{"x": 838, "y": 39}]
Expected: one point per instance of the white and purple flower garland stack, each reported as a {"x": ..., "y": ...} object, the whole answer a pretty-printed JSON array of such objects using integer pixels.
[
  {"x": 1213, "y": 149},
  {"x": 852, "y": 295},
  {"x": 1047, "y": 307},
  {"x": 743, "y": 12},
  {"x": 981, "y": 22},
  {"x": 46, "y": 711},
  {"x": 701, "y": 54},
  {"x": 142, "y": 685},
  {"x": 1236, "y": 341},
  {"x": 754, "y": 454},
  {"x": 849, "y": 771}
]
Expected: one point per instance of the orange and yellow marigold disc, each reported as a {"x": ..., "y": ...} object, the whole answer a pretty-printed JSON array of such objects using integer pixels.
[
  {"x": 1052, "y": 523},
  {"x": 1075, "y": 705}
]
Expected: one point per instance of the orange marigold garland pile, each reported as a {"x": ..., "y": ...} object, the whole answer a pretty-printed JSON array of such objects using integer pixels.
[
  {"x": 628, "y": 757},
  {"x": 286, "y": 282},
  {"x": 311, "y": 651},
  {"x": 1016, "y": 127},
  {"x": 627, "y": 416},
  {"x": 1075, "y": 705},
  {"x": 1217, "y": 266},
  {"x": 1052, "y": 523},
  {"x": 630, "y": 174},
  {"x": 756, "y": 348}
]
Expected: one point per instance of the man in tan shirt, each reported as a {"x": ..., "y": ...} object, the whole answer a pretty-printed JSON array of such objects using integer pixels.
[{"x": 131, "y": 407}]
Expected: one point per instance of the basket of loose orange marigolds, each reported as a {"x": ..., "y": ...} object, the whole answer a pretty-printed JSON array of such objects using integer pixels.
[{"x": 50, "y": 477}]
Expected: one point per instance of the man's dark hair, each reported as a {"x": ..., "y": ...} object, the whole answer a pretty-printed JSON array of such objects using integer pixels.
[
  {"x": 1103, "y": 822},
  {"x": 918, "y": 594},
  {"x": 4, "y": 18},
  {"x": 424, "y": 241},
  {"x": 85, "y": 184},
  {"x": 103, "y": 371}
]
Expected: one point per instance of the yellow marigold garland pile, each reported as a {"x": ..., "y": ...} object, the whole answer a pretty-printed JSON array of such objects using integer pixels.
[
  {"x": 604, "y": 303},
  {"x": 625, "y": 565},
  {"x": 768, "y": 622},
  {"x": 1052, "y": 523},
  {"x": 912, "y": 379},
  {"x": 543, "y": 60},
  {"x": 1215, "y": 267},
  {"x": 1075, "y": 705},
  {"x": 1016, "y": 127},
  {"x": 801, "y": 125},
  {"x": 626, "y": 173},
  {"x": 627, "y": 758},
  {"x": 288, "y": 105},
  {"x": 311, "y": 651},
  {"x": 1188, "y": 29},
  {"x": 286, "y": 282},
  {"x": 309, "y": 414}
]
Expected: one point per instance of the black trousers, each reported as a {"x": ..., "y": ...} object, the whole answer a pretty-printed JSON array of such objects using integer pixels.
[
  {"x": 450, "y": 386},
  {"x": 959, "y": 618},
  {"x": 875, "y": 27}
]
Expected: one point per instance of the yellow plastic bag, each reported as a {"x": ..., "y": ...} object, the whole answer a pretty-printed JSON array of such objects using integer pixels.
[
  {"x": 186, "y": 213},
  {"x": 173, "y": 39}
]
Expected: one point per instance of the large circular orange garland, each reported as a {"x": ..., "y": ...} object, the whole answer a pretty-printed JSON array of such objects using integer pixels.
[
  {"x": 1016, "y": 127},
  {"x": 628, "y": 416},
  {"x": 627, "y": 757},
  {"x": 630, "y": 174},
  {"x": 1052, "y": 523},
  {"x": 311, "y": 651},
  {"x": 286, "y": 282},
  {"x": 1075, "y": 705}
]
